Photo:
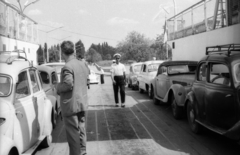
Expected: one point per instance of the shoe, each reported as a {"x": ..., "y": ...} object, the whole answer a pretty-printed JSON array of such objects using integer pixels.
[
  {"x": 117, "y": 105},
  {"x": 123, "y": 105}
]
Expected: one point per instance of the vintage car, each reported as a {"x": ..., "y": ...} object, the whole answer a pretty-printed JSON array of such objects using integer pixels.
[
  {"x": 214, "y": 99},
  {"x": 93, "y": 77},
  {"x": 50, "y": 79},
  {"x": 57, "y": 65},
  {"x": 172, "y": 83},
  {"x": 147, "y": 73},
  {"x": 25, "y": 111},
  {"x": 134, "y": 71}
]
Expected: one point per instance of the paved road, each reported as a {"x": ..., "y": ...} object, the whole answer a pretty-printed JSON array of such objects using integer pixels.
[{"x": 141, "y": 128}]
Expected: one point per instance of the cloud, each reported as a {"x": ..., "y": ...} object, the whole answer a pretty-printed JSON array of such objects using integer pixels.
[
  {"x": 83, "y": 12},
  {"x": 121, "y": 21},
  {"x": 35, "y": 12}
]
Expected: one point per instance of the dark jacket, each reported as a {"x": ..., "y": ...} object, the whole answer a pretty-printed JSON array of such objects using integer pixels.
[{"x": 73, "y": 87}]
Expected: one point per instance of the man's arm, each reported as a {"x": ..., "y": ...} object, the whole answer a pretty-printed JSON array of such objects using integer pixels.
[{"x": 67, "y": 82}]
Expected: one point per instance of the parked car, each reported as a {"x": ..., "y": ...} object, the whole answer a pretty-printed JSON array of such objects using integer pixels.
[
  {"x": 93, "y": 77},
  {"x": 147, "y": 73},
  {"x": 172, "y": 83},
  {"x": 50, "y": 79},
  {"x": 25, "y": 111},
  {"x": 134, "y": 71},
  {"x": 57, "y": 65},
  {"x": 214, "y": 100}
]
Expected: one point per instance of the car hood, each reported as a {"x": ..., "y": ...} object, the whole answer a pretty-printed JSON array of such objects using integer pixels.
[{"x": 6, "y": 112}]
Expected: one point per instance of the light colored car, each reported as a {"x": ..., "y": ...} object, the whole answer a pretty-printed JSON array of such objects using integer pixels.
[
  {"x": 134, "y": 71},
  {"x": 57, "y": 65},
  {"x": 147, "y": 73},
  {"x": 25, "y": 110},
  {"x": 50, "y": 79},
  {"x": 93, "y": 77}
]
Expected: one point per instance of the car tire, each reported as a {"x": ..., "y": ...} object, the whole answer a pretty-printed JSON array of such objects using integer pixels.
[
  {"x": 191, "y": 115},
  {"x": 155, "y": 100},
  {"x": 46, "y": 142},
  {"x": 140, "y": 89},
  {"x": 150, "y": 93},
  {"x": 54, "y": 119},
  {"x": 176, "y": 110}
]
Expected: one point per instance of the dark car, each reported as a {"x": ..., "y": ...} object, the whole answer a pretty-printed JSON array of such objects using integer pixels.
[
  {"x": 172, "y": 84},
  {"x": 214, "y": 99}
]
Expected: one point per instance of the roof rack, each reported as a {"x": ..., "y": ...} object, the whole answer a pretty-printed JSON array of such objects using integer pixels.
[
  {"x": 221, "y": 49},
  {"x": 14, "y": 57}
]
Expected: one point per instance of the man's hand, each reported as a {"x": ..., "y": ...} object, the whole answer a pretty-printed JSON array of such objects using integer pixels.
[{"x": 114, "y": 82}]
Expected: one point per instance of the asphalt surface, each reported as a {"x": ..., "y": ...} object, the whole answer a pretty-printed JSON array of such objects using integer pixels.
[{"x": 141, "y": 128}]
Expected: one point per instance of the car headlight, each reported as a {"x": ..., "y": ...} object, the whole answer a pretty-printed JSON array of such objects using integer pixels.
[{"x": 2, "y": 120}]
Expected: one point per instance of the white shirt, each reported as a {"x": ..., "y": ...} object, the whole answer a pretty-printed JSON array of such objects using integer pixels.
[{"x": 118, "y": 69}]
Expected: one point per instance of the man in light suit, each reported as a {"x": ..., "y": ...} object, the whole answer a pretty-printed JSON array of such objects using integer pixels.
[{"x": 73, "y": 99}]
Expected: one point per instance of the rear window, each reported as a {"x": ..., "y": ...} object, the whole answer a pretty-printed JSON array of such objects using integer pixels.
[
  {"x": 137, "y": 68},
  {"x": 181, "y": 69},
  {"x": 5, "y": 85}
]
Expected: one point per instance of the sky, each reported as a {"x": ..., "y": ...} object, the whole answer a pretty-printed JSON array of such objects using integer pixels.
[{"x": 98, "y": 21}]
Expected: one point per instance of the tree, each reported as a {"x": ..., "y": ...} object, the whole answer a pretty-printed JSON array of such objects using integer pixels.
[
  {"x": 40, "y": 54},
  {"x": 135, "y": 47},
  {"x": 80, "y": 49},
  {"x": 93, "y": 56},
  {"x": 45, "y": 52}
]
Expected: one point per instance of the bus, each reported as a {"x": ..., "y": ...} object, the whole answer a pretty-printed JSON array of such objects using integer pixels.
[
  {"x": 206, "y": 23},
  {"x": 18, "y": 32}
]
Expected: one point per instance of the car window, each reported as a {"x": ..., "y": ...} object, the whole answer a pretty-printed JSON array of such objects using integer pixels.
[
  {"x": 22, "y": 86},
  {"x": 54, "y": 78},
  {"x": 130, "y": 69},
  {"x": 5, "y": 85},
  {"x": 181, "y": 69},
  {"x": 162, "y": 70},
  {"x": 144, "y": 68},
  {"x": 202, "y": 72},
  {"x": 153, "y": 67},
  {"x": 45, "y": 77},
  {"x": 34, "y": 82},
  {"x": 219, "y": 74}
]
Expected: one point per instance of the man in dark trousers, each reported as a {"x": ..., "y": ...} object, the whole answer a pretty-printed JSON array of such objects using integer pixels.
[
  {"x": 73, "y": 99},
  {"x": 119, "y": 78}
]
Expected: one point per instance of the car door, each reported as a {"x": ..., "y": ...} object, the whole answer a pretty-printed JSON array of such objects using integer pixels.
[
  {"x": 38, "y": 97},
  {"x": 220, "y": 105},
  {"x": 26, "y": 126},
  {"x": 162, "y": 81},
  {"x": 199, "y": 90}
]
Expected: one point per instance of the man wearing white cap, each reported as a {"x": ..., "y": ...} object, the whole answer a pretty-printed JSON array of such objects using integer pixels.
[{"x": 118, "y": 78}]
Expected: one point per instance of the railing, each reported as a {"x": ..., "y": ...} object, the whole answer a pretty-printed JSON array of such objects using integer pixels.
[
  {"x": 201, "y": 17},
  {"x": 15, "y": 25}
]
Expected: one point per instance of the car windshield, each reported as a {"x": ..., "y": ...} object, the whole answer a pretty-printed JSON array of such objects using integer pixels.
[
  {"x": 5, "y": 85},
  {"x": 153, "y": 67},
  {"x": 181, "y": 69},
  {"x": 136, "y": 68}
]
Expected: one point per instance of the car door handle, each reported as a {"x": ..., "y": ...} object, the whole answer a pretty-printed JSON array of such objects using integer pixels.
[
  {"x": 19, "y": 113},
  {"x": 228, "y": 95}
]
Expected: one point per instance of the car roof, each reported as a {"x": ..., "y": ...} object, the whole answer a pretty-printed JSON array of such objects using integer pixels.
[
  {"x": 136, "y": 63},
  {"x": 176, "y": 63},
  {"x": 47, "y": 69},
  {"x": 153, "y": 61},
  {"x": 221, "y": 57}
]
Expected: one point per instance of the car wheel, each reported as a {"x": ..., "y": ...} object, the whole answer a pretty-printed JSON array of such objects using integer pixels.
[
  {"x": 54, "y": 120},
  {"x": 176, "y": 110},
  {"x": 140, "y": 89},
  {"x": 191, "y": 115},
  {"x": 155, "y": 100},
  {"x": 150, "y": 93},
  {"x": 46, "y": 142}
]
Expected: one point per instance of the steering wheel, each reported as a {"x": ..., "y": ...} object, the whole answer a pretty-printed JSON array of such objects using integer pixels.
[
  {"x": 1, "y": 93},
  {"x": 217, "y": 77}
]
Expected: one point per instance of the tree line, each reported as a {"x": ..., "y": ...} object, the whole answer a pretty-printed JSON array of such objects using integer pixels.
[{"x": 135, "y": 47}]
